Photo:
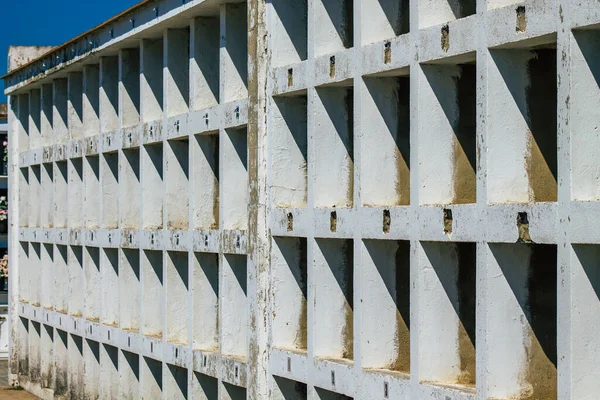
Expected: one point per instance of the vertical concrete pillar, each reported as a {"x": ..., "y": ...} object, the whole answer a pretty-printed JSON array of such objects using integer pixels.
[
  {"x": 91, "y": 100},
  {"x": 129, "y": 87},
  {"x": 75, "y": 112},
  {"x": 109, "y": 94}
]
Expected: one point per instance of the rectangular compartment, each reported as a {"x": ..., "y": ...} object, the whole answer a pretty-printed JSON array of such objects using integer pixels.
[
  {"x": 289, "y": 292},
  {"x": 75, "y": 193},
  {"x": 23, "y": 353},
  {"x": 61, "y": 194},
  {"x": 385, "y": 141},
  {"x": 521, "y": 287},
  {"x": 34, "y": 120},
  {"x": 152, "y": 293},
  {"x": 385, "y": 273},
  {"x": 129, "y": 87},
  {"x": 129, "y": 375},
  {"x": 286, "y": 389},
  {"x": 234, "y": 184},
  {"x": 204, "y": 62},
  {"x": 35, "y": 196},
  {"x": 75, "y": 104},
  {"x": 23, "y": 196},
  {"x": 585, "y": 314},
  {"x": 152, "y": 187},
  {"x": 61, "y": 357},
  {"x": 206, "y": 301},
  {"x": 177, "y": 71},
  {"x": 288, "y": 148},
  {"x": 109, "y": 372},
  {"x": 35, "y": 273},
  {"x": 46, "y": 118},
  {"x": 47, "y": 357},
  {"x": 234, "y": 305},
  {"x": 93, "y": 279},
  {"x": 76, "y": 280},
  {"x": 109, "y": 180},
  {"x": 34, "y": 351},
  {"x": 91, "y": 365},
  {"x": 60, "y": 118},
  {"x": 447, "y": 304},
  {"x": 232, "y": 392},
  {"x": 24, "y": 272},
  {"x": 436, "y": 12},
  {"x": 334, "y": 299},
  {"x": 109, "y": 265},
  {"x": 91, "y": 99},
  {"x": 91, "y": 185},
  {"x": 383, "y": 19},
  {"x": 176, "y": 382},
  {"x": 322, "y": 394},
  {"x": 129, "y": 290},
  {"x": 177, "y": 179},
  {"x": 61, "y": 279},
  {"x": 334, "y": 147},
  {"x": 129, "y": 189},
  {"x": 47, "y": 276},
  {"x": 151, "y": 75},
  {"x": 204, "y": 387},
  {"x": 109, "y": 94},
  {"x": 448, "y": 93},
  {"x": 334, "y": 26},
  {"x": 205, "y": 181},
  {"x": 76, "y": 367},
  {"x": 522, "y": 126},
  {"x": 177, "y": 276},
  {"x": 289, "y": 32},
  {"x": 152, "y": 381},
  {"x": 234, "y": 52},
  {"x": 47, "y": 199},
  {"x": 585, "y": 116}
]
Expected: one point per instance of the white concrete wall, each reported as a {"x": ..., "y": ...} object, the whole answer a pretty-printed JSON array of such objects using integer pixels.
[{"x": 320, "y": 199}]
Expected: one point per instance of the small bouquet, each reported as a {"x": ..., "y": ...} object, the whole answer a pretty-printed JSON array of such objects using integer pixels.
[
  {"x": 4, "y": 266},
  {"x": 3, "y": 208}
]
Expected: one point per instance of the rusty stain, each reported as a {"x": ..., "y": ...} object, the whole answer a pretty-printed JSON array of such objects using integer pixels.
[
  {"x": 521, "y": 19},
  {"x": 447, "y": 221},
  {"x": 387, "y": 221},
  {"x": 523, "y": 228},
  {"x": 387, "y": 53},
  {"x": 445, "y": 41},
  {"x": 333, "y": 221},
  {"x": 290, "y": 222},
  {"x": 290, "y": 77},
  {"x": 332, "y": 67}
]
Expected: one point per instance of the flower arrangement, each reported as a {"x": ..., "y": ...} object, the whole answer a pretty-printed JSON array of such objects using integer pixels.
[
  {"x": 4, "y": 266},
  {"x": 3, "y": 208}
]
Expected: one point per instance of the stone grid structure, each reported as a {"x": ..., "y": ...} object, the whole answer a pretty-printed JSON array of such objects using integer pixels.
[{"x": 321, "y": 199}]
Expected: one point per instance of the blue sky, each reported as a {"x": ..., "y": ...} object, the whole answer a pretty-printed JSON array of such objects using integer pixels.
[{"x": 51, "y": 22}]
